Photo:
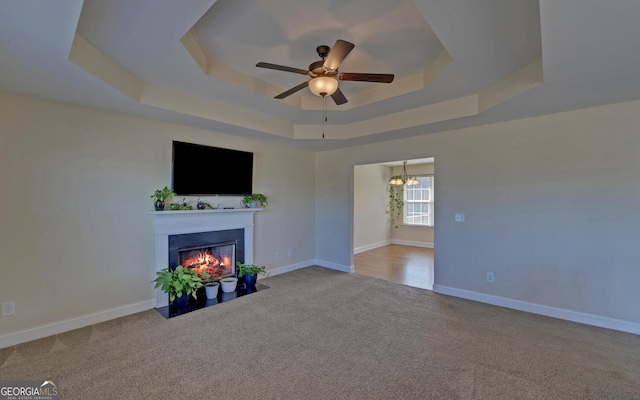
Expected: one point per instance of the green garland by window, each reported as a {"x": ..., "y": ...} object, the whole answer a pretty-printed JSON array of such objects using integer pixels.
[{"x": 396, "y": 202}]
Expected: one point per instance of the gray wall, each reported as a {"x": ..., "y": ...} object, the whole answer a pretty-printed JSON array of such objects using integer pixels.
[
  {"x": 370, "y": 197},
  {"x": 552, "y": 207},
  {"x": 75, "y": 237}
]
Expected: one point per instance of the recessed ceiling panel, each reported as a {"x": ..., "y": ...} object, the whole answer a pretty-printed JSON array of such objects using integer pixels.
[{"x": 389, "y": 37}]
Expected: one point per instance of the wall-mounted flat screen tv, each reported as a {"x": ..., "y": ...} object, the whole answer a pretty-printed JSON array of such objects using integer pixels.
[{"x": 200, "y": 170}]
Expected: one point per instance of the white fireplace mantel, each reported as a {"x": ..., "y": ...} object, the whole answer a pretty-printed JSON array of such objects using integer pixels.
[{"x": 193, "y": 221}]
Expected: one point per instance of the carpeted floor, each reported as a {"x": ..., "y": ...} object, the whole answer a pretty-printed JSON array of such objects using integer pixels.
[{"x": 322, "y": 334}]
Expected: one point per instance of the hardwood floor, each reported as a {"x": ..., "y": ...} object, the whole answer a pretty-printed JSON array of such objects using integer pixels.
[{"x": 408, "y": 265}]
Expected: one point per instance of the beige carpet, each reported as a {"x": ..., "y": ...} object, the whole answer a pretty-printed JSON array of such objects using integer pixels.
[{"x": 321, "y": 334}]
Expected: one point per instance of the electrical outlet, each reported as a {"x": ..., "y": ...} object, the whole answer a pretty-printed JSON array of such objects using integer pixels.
[
  {"x": 459, "y": 217},
  {"x": 8, "y": 308},
  {"x": 289, "y": 252},
  {"x": 277, "y": 254},
  {"x": 490, "y": 277}
]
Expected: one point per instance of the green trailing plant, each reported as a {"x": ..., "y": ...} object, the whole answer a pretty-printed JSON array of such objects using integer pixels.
[
  {"x": 259, "y": 197},
  {"x": 181, "y": 206},
  {"x": 249, "y": 269},
  {"x": 396, "y": 202},
  {"x": 162, "y": 194},
  {"x": 178, "y": 282},
  {"x": 203, "y": 205}
]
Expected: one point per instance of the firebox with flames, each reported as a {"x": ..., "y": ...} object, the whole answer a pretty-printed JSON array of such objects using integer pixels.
[{"x": 218, "y": 261}]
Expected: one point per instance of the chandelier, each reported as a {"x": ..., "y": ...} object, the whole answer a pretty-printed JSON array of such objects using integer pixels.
[{"x": 404, "y": 179}]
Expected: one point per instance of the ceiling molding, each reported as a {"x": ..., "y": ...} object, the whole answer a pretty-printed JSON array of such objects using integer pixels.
[
  {"x": 215, "y": 15},
  {"x": 86, "y": 56},
  {"x": 227, "y": 74},
  {"x": 100, "y": 65},
  {"x": 497, "y": 54}
]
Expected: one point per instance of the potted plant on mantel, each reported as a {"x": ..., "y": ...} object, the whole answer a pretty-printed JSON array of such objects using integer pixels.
[
  {"x": 255, "y": 199},
  {"x": 179, "y": 283},
  {"x": 249, "y": 273},
  {"x": 181, "y": 206},
  {"x": 159, "y": 197}
]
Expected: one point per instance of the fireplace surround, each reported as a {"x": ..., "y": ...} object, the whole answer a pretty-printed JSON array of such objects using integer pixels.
[{"x": 206, "y": 227}]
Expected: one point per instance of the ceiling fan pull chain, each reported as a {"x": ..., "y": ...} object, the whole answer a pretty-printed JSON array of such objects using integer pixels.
[{"x": 324, "y": 113}]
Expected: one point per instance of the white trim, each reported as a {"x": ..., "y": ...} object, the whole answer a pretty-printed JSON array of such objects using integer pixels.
[
  {"x": 54, "y": 328},
  {"x": 428, "y": 245},
  {"x": 291, "y": 267},
  {"x": 560, "y": 313},
  {"x": 338, "y": 267},
  {"x": 371, "y": 246},
  {"x": 309, "y": 263}
]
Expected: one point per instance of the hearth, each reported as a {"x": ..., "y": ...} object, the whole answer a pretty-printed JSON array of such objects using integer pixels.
[
  {"x": 213, "y": 252},
  {"x": 203, "y": 302},
  {"x": 178, "y": 233}
]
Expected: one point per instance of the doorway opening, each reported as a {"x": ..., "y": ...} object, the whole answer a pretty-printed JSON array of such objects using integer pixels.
[{"x": 399, "y": 249}]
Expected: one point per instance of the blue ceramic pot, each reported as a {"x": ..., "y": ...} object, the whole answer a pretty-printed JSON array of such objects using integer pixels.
[
  {"x": 182, "y": 300},
  {"x": 250, "y": 280}
]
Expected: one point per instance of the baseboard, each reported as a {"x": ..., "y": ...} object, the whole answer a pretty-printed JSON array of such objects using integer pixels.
[
  {"x": 568, "y": 315},
  {"x": 371, "y": 246},
  {"x": 42, "y": 331},
  {"x": 291, "y": 267},
  {"x": 338, "y": 267},
  {"x": 308, "y": 263},
  {"x": 428, "y": 245}
]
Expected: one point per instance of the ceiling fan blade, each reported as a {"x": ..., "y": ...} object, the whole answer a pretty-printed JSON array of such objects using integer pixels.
[
  {"x": 354, "y": 76},
  {"x": 292, "y": 90},
  {"x": 338, "y": 97},
  {"x": 282, "y": 68},
  {"x": 338, "y": 53}
]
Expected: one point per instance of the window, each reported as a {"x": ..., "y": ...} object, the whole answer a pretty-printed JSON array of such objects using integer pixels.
[{"x": 418, "y": 202}]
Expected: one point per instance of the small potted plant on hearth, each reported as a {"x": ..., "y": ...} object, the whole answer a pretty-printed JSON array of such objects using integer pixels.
[
  {"x": 254, "y": 200},
  {"x": 210, "y": 286},
  {"x": 228, "y": 284},
  {"x": 159, "y": 197},
  {"x": 249, "y": 273},
  {"x": 179, "y": 283}
]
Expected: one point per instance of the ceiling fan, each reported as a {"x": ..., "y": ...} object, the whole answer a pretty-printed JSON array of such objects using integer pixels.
[{"x": 324, "y": 73}]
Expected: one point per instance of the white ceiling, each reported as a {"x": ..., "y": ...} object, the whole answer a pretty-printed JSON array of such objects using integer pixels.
[{"x": 454, "y": 61}]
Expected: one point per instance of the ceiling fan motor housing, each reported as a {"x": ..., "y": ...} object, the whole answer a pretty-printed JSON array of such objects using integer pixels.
[{"x": 317, "y": 69}]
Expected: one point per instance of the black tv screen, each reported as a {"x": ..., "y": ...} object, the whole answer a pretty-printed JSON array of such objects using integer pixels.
[{"x": 205, "y": 170}]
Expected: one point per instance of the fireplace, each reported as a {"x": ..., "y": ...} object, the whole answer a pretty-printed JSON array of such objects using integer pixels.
[
  {"x": 178, "y": 233},
  {"x": 217, "y": 260},
  {"x": 214, "y": 251}
]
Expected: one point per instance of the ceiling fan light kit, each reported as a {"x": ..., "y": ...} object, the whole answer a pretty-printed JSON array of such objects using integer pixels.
[
  {"x": 323, "y": 86},
  {"x": 324, "y": 73}
]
